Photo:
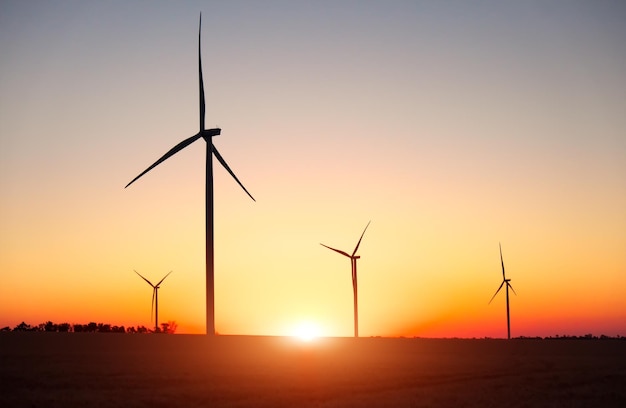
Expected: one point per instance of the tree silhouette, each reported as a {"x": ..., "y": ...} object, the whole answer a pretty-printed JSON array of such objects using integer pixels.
[
  {"x": 49, "y": 326},
  {"x": 23, "y": 327},
  {"x": 169, "y": 327},
  {"x": 64, "y": 327},
  {"x": 104, "y": 328}
]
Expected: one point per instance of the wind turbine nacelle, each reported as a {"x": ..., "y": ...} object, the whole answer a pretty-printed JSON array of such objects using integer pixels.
[
  {"x": 211, "y": 132},
  {"x": 357, "y": 257}
]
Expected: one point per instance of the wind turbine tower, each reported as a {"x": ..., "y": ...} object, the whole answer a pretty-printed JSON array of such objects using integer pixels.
[
  {"x": 505, "y": 282},
  {"x": 353, "y": 259},
  {"x": 207, "y": 135},
  {"x": 155, "y": 299}
]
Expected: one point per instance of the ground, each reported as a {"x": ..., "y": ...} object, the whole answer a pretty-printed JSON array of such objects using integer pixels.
[{"x": 123, "y": 370}]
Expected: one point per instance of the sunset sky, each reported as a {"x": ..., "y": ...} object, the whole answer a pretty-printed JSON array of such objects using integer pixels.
[{"x": 451, "y": 125}]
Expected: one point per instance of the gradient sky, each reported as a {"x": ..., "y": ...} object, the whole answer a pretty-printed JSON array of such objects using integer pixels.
[{"x": 452, "y": 125}]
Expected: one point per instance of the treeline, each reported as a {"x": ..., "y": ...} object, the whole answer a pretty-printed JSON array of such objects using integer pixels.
[
  {"x": 166, "y": 328},
  {"x": 569, "y": 337},
  {"x": 585, "y": 337}
]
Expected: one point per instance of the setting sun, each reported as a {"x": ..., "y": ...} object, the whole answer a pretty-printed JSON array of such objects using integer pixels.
[{"x": 306, "y": 331}]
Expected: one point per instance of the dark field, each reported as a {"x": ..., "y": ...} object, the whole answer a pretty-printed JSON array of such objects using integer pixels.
[{"x": 122, "y": 370}]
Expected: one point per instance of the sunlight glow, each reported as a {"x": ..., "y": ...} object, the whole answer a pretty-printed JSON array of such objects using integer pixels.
[{"x": 306, "y": 331}]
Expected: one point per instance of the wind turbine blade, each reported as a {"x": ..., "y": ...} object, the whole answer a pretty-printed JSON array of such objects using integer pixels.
[
  {"x": 494, "y": 295},
  {"x": 501, "y": 261},
  {"x": 336, "y": 250},
  {"x": 149, "y": 283},
  {"x": 202, "y": 105},
  {"x": 157, "y": 285},
  {"x": 221, "y": 160},
  {"x": 167, "y": 155},
  {"x": 511, "y": 286},
  {"x": 152, "y": 307},
  {"x": 359, "y": 243}
]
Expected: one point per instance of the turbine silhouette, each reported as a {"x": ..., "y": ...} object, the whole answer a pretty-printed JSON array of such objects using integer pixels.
[
  {"x": 353, "y": 259},
  {"x": 155, "y": 300},
  {"x": 506, "y": 282},
  {"x": 211, "y": 150}
]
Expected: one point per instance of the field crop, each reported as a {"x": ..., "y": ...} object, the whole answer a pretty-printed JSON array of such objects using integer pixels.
[{"x": 121, "y": 370}]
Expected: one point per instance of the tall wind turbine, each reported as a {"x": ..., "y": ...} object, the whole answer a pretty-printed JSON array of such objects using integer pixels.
[
  {"x": 207, "y": 135},
  {"x": 506, "y": 282},
  {"x": 353, "y": 259},
  {"x": 155, "y": 300}
]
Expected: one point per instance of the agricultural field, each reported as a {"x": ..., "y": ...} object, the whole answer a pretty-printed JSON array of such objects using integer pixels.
[{"x": 121, "y": 370}]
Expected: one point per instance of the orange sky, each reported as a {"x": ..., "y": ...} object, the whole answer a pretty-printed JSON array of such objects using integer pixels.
[{"x": 452, "y": 127}]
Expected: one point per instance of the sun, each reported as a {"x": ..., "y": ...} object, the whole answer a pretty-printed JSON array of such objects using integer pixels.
[{"x": 306, "y": 331}]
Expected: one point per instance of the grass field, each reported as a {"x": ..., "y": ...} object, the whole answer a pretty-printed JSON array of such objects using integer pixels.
[{"x": 122, "y": 370}]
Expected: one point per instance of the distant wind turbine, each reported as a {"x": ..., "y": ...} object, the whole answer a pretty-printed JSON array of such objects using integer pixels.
[
  {"x": 353, "y": 259},
  {"x": 207, "y": 135},
  {"x": 155, "y": 300},
  {"x": 506, "y": 282}
]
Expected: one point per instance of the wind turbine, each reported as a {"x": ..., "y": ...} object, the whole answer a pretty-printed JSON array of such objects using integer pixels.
[
  {"x": 506, "y": 282},
  {"x": 353, "y": 259},
  {"x": 207, "y": 135},
  {"x": 155, "y": 300}
]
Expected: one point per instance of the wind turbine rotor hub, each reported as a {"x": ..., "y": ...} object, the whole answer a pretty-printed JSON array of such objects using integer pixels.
[{"x": 207, "y": 133}]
